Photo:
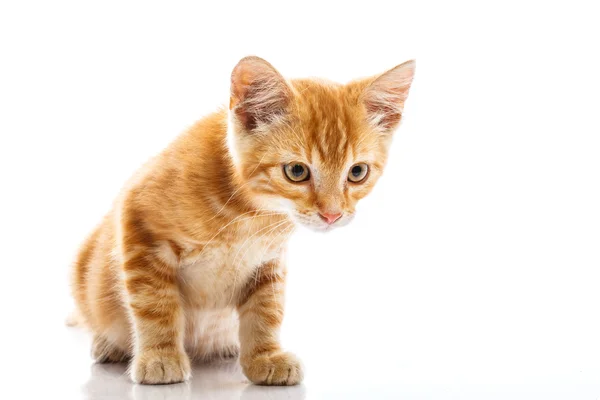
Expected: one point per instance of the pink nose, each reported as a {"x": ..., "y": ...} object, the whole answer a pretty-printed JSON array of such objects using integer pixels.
[{"x": 330, "y": 218}]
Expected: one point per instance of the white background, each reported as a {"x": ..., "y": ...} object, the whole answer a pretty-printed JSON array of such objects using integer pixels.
[{"x": 472, "y": 271}]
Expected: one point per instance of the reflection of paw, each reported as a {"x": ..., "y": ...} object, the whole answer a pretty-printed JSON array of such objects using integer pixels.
[
  {"x": 177, "y": 391},
  {"x": 106, "y": 352},
  {"x": 159, "y": 367},
  {"x": 277, "y": 368},
  {"x": 253, "y": 392}
]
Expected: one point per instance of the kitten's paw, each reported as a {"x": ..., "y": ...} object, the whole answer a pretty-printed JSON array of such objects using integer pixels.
[
  {"x": 105, "y": 352},
  {"x": 160, "y": 367},
  {"x": 274, "y": 369}
]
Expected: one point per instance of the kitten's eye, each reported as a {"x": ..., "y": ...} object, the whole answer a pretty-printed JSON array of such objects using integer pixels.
[
  {"x": 296, "y": 172},
  {"x": 358, "y": 172}
]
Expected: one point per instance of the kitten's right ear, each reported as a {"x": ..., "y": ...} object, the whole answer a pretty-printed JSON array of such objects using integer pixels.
[
  {"x": 259, "y": 94},
  {"x": 384, "y": 98}
]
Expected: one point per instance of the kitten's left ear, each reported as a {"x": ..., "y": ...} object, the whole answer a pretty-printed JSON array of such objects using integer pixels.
[
  {"x": 384, "y": 98},
  {"x": 259, "y": 94}
]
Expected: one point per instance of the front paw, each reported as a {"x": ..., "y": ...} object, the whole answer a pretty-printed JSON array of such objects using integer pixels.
[
  {"x": 276, "y": 368},
  {"x": 160, "y": 367}
]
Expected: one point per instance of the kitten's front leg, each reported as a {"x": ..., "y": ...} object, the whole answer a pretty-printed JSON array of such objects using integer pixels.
[
  {"x": 261, "y": 313},
  {"x": 155, "y": 305}
]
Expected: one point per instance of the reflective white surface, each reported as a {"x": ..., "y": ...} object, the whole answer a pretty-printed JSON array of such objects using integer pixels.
[
  {"x": 220, "y": 381},
  {"x": 65, "y": 370}
]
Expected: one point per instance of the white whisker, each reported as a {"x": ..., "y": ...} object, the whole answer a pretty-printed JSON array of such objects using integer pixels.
[
  {"x": 271, "y": 228},
  {"x": 237, "y": 219},
  {"x": 238, "y": 189}
]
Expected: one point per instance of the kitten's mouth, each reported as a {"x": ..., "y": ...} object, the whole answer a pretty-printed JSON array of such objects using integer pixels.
[
  {"x": 320, "y": 229},
  {"x": 323, "y": 228},
  {"x": 318, "y": 224}
]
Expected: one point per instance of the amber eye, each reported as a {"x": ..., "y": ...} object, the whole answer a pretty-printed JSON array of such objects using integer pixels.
[
  {"x": 358, "y": 172},
  {"x": 296, "y": 172}
]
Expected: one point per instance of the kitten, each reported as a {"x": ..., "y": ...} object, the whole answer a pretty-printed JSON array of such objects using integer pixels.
[{"x": 189, "y": 262}]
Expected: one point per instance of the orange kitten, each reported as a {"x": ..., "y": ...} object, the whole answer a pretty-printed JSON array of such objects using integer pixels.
[{"x": 189, "y": 262}]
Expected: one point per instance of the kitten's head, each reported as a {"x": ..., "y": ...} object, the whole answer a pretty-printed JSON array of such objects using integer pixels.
[{"x": 312, "y": 148}]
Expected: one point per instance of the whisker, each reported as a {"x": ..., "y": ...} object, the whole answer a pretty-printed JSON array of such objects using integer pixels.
[
  {"x": 237, "y": 219},
  {"x": 238, "y": 189},
  {"x": 272, "y": 227}
]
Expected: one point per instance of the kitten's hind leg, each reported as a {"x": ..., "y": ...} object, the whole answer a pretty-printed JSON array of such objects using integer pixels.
[
  {"x": 228, "y": 352},
  {"x": 105, "y": 352},
  {"x": 213, "y": 335},
  {"x": 225, "y": 353}
]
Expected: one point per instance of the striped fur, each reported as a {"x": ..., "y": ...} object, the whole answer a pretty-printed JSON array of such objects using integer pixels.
[{"x": 189, "y": 263}]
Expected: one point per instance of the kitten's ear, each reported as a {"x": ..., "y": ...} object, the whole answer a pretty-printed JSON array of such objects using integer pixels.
[
  {"x": 259, "y": 94},
  {"x": 384, "y": 98}
]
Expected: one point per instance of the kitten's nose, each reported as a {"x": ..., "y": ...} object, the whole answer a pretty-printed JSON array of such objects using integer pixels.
[{"x": 330, "y": 218}]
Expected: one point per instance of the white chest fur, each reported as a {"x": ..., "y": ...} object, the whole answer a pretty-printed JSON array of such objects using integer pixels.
[{"x": 213, "y": 277}]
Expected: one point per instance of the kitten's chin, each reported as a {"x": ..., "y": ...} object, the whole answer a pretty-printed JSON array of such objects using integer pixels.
[{"x": 319, "y": 228}]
